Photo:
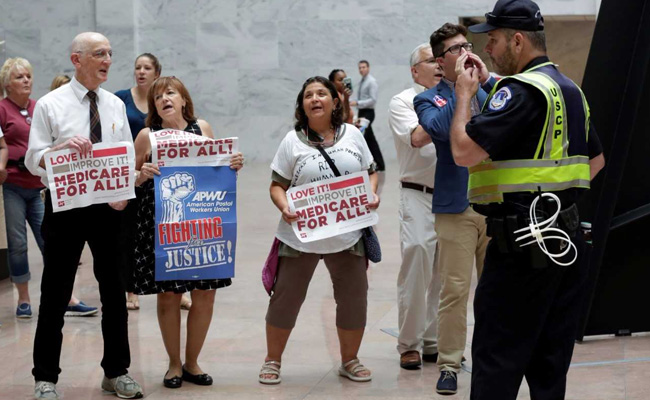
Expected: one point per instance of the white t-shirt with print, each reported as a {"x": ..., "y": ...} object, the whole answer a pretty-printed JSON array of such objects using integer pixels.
[{"x": 302, "y": 163}]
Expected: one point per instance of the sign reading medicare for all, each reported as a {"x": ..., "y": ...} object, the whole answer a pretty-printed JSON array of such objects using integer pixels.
[
  {"x": 332, "y": 207},
  {"x": 196, "y": 206},
  {"x": 104, "y": 175}
]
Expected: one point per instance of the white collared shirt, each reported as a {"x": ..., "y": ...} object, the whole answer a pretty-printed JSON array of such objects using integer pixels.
[
  {"x": 416, "y": 165},
  {"x": 64, "y": 113}
]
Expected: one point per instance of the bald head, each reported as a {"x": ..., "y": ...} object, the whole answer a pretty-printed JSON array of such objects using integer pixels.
[
  {"x": 82, "y": 41},
  {"x": 92, "y": 56}
]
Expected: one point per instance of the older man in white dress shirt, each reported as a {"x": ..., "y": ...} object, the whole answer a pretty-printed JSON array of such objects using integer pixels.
[
  {"x": 418, "y": 284},
  {"x": 74, "y": 117}
]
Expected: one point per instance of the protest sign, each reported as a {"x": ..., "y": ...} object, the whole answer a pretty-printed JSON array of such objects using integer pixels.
[
  {"x": 173, "y": 148},
  {"x": 104, "y": 175},
  {"x": 332, "y": 207},
  {"x": 196, "y": 206}
]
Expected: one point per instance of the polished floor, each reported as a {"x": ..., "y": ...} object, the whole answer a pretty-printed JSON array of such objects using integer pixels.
[{"x": 608, "y": 368}]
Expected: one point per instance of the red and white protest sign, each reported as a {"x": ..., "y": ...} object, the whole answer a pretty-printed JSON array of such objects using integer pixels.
[
  {"x": 104, "y": 175},
  {"x": 331, "y": 207},
  {"x": 172, "y": 148}
]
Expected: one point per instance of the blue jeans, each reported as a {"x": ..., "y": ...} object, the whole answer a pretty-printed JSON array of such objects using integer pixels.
[{"x": 22, "y": 205}]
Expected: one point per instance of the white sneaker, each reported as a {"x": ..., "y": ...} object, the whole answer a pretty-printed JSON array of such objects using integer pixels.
[
  {"x": 123, "y": 386},
  {"x": 45, "y": 390}
]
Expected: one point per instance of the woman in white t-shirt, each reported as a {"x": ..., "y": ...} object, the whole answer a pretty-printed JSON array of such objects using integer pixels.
[{"x": 297, "y": 162}]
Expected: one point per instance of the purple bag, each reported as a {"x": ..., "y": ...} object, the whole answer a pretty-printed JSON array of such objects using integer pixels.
[{"x": 270, "y": 269}]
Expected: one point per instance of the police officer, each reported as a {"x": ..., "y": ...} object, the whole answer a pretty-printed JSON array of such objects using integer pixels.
[{"x": 533, "y": 137}]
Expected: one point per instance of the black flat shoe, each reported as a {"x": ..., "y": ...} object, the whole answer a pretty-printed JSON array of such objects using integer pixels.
[
  {"x": 174, "y": 382},
  {"x": 203, "y": 379}
]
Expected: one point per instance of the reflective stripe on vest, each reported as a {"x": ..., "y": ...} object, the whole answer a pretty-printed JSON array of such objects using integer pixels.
[{"x": 551, "y": 169}]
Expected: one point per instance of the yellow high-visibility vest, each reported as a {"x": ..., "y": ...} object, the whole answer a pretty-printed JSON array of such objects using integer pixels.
[{"x": 552, "y": 169}]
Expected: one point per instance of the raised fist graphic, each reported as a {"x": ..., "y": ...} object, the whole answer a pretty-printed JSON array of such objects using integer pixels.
[{"x": 173, "y": 190}]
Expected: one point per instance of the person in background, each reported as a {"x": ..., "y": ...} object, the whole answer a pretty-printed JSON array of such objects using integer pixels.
[
  {"x": 170, "y": 107},
  {"x": 336, "y": 77},
  {"x": 418, "y": 282},
  {"x": 59, "y": 81},
  {"x": 22, "y": 190},
  {"x": 298, "y": 161},
  {"x": 366, "y": 101},
  {"x": 147, "y": 69}
]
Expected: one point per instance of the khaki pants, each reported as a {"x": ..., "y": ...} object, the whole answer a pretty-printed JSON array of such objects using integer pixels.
[
  {"x": 418, "y": 282},
  {"x": 462, "y": 241}
]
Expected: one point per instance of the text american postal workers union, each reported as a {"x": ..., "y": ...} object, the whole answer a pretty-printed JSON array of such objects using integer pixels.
[
  {"x": 196, "y": 216},
  {"x": 332, "y": 207},
  {"x": 104, "y": 175}
]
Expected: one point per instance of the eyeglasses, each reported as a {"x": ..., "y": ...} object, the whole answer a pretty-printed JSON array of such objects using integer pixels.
[
  {"x": 455, "y": 49},
  {"x": 100, "y": 54},
  {"x": 25, "y": 114},
  {"x": 431, "y": 60}
]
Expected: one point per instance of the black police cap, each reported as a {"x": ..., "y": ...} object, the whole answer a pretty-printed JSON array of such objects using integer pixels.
[{"x": 523, "y": 15}]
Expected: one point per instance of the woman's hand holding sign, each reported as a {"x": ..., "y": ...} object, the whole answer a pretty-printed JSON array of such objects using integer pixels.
[
  {"x": 237, "y": 161},
  {"x": 288, "y": 216},
  {"x": 374, "y": 204},
  {"x": 147, "y": 171}
]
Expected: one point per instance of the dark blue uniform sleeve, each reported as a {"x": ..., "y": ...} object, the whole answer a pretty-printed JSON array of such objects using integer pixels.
[
  {"x": 436, "y": 120},
  {"x": 593, "y": 142},
  {"x": 508, "y": 118}
]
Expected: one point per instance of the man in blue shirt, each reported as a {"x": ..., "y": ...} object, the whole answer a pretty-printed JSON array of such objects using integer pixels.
[{"x": 461, "y": 231}]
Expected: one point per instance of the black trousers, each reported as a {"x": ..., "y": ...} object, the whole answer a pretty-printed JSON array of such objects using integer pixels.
[
  {"x": 127, "y": 237},
  {"x": 526, "y": 324},
  {"x": 65, "y": 234},
  {"x": 369, "y": 135}
]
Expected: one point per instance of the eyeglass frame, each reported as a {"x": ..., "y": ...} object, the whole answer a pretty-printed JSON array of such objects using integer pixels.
[
  {"x": 99, "y": 54},
  {"x": 460, "y": 46},
  {"x": 431, "y": 60}
]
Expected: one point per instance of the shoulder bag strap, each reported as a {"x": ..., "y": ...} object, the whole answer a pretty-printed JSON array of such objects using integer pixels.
[{"x": 329, "y": 160}]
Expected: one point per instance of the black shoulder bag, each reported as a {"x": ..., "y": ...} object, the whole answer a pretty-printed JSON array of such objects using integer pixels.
[{"x": 370, "y": 240}]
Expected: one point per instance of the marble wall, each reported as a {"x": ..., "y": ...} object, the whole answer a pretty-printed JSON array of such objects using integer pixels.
[{"x": 244, "y": 60}]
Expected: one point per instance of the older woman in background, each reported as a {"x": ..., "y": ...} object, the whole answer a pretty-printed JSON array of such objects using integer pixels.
[
  {"x": 336, "y": 77},
  {"x": 171, "y": 107},
  {"x": 298, "y": 161},
  {"x": 21, "y": 189}
]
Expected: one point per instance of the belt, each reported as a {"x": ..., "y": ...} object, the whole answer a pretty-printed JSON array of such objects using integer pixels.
[
  {"x": 17, "y": 163},
  {"x": 501, "y": 229},
  {"x": 419, "y": 188}
]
